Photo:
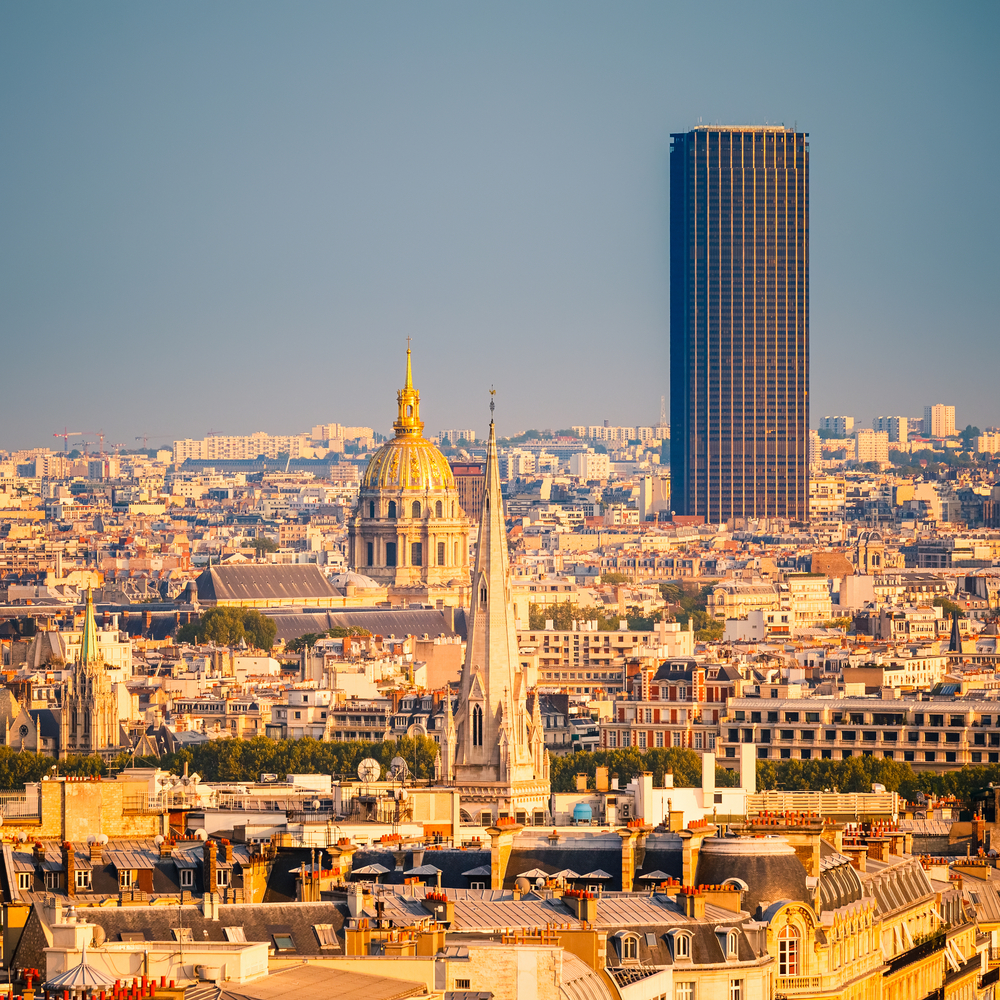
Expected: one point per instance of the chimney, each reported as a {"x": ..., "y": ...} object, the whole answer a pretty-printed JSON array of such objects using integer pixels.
[
  {"x": 417, "y": 857},
  {"x": 227, "y": 852},
  {"x": 581, "y": 782},
  {"x": 211, "y": 866},
  {"x": 355, "y": 899},
  {"x": 877, "y": 848},
  {"x": 69, "y": 864},
  {"x": 96, "y": 852},
  {"x": 693, "y": 901}
]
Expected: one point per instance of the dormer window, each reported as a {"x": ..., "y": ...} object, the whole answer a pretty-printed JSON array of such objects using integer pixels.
[
  {"x": 629, "y": 947},
  {"x": 732, "y": 945},
  {"x": 682, "y": 945}
]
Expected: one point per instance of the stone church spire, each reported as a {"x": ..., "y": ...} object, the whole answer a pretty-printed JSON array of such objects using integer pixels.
[
  {"x": 90, "y": 654},
  {"x": 492, "y": 722}
]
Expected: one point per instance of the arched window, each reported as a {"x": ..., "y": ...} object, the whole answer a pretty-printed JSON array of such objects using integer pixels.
[
  {"x": 788, "y": 951},
  {"x": 630, "y": 948},
  {"x": 409, "y": 411},
  {"x": 438, "y": 509},
  {"x": 482, "y": 595},
  {"x": 415, "y": 509},
  {"x": 371, "y": 508},
  {"x": 392, "y": 508},
  {"x": 453, "y": 508},
  {"x": 732, "y": 944},
  {"x": 477, "y": 725},
  {"x": 682, "y": 946}
]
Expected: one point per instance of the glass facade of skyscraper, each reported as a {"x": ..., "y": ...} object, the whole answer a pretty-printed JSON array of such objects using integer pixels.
[{"x": 739, "y": 323}]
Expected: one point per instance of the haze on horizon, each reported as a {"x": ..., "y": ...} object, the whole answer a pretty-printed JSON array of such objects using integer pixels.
[{"x": 231, "y": 216}]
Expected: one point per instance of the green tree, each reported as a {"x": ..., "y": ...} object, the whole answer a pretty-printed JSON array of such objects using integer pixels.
[
  {"x": 227, "y": 626},
  {"x": 614, "y": 578},
  {"x": 247, "y": 760},
  {"x": 264, "y": 544},
  {"x": 969, "y": 436},
  {"x": 950, "y": 607}
]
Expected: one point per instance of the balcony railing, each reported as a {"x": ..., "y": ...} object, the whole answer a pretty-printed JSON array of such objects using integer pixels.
[
  {"x": 916, "y": 953},
  {"x": 797, "y": 984}
]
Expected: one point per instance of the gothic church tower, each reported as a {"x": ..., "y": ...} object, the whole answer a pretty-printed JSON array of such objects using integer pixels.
[{"x": 89, "y": 709}]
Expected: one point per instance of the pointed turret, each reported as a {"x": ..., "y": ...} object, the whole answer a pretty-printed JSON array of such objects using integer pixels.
[
  {"x": 491, "y": 676},
  {"x": 955, "y": 646},
  {"x": 408, "y": 422},
  {"x": 90, "y": 653}
]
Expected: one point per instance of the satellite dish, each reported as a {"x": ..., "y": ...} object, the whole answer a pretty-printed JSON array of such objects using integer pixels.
[
  {"x": 22, "y": 837},
  {"x": 369, "y": 770},
  {"x": 102, "y": 838},
  {"x": 201, "y": 834},
  {"x": 398, "y": 770},
  {"x": 91, "y": 838},
  {"x": 99, "y": 936},
  {"x": 158, "y": 839},
  {"x": 315, "y": 803}
]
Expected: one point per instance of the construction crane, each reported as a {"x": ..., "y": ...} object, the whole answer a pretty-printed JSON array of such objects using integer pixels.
[
  {"x": 144, "y": 438},
  {"x": 67, "y": 434},
  {"x": 118, "y": 445}
]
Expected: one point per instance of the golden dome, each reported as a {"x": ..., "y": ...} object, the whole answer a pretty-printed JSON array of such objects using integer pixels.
[{"x": 409, "y": 461}]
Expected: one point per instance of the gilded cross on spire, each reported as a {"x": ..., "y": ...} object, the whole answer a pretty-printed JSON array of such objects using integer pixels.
[{"x": 493, "y": 403}]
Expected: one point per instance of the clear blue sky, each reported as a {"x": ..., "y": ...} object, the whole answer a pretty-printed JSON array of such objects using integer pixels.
[{"x": 230, "y": 216}]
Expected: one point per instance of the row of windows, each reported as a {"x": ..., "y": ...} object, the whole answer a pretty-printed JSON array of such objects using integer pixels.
[
  {"x": 126, "y": 879},
  {"x": 416, "y": 510},
  {"x": 913, "y": 756},
  {"x": 416, "y": 554}
]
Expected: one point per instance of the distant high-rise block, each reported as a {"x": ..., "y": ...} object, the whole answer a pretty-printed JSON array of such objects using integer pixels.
[
  {"x": 739, "y": 323},
  {"x": 840, "y": 427},
  {"x": 939, "y": 421},
  {"x": 896, "y": 427}
]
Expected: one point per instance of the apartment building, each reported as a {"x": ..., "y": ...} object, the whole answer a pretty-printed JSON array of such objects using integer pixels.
[
  {"x": 871, "y": 446},
  {"x": 896, "y": 427},
  {"x": 838, "y": 426},
  {"x": 802, "y": 601},
  {"x": 359, "y": 720},
  {"x": 932, "y": 734},
  {"x": 239, "y": 718},
  {"x": 302, "y": 714},
  {"x": 589, "y": 662},
  {"x": 939, "y": 421},
  {"x": 827, "y": 496},
  {"x": 676, "y": 704}
]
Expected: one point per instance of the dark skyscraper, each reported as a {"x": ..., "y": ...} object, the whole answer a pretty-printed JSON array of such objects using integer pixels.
[{"x": 739, "y": 323}]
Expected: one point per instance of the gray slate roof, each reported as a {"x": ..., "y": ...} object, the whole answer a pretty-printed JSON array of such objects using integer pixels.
[
  {"x": 378, "y": 621},
  {"x": 263, "y": 583}
]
